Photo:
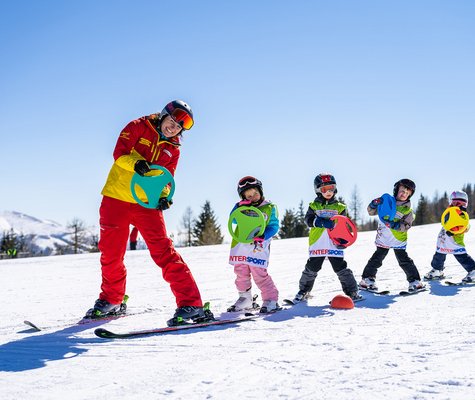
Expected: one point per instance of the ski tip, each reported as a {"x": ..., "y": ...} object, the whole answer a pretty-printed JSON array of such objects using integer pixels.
[
  {"x": 289, "y": 302},
  {"x": 461, "y": 283},
  {"x": 103, "y": 333},
  {"x": 32, "y": 325}
]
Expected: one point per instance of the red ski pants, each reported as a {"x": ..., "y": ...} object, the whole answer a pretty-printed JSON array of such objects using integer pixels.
[{"x": 116, "y": 216}]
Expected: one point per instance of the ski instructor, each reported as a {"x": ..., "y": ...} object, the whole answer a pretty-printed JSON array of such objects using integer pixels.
[{"x": 153, "y": 139}]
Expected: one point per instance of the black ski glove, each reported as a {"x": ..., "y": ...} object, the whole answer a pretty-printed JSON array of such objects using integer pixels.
[
  {"x": 164, "y": 204},
  {"x": 142, "y": 167}
]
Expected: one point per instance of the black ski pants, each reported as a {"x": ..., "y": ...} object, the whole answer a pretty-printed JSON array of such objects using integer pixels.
[
  {"x": 465, "y": 260},
  {"x": 404, "y": 261},
  {"x": 314, "y": 264}
]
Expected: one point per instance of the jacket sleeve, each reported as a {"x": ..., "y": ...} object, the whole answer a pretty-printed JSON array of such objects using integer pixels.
[
  {"x": 310, "y": 217},
  {"x": 124, "y": 154},
  {"x": 372, "y": 211},
  {"x": 273, "y": 226},
  {"x": 406, "y": 222},
  {"x": 234, "y": 208}
]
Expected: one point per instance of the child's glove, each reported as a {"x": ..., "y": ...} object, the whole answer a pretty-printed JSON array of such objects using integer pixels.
[
  {"x": 164, "y": 204},
  {"x": 142, "y": 167},
  {"x": 319, "y": 222},
  {"x": 258, "y": 240},
  {"x": 376, "y": 202},
  {"x": 342, "y": 244},
  {"x": 395, "y": 225},
  {"x": 244, "y": 203}
]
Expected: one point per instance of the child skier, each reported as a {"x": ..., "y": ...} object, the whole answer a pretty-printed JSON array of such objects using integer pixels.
[
  {"x": 449, "y": 243},
  {"x": 256, "y": 254},
  {"x": 393, "y": 235},
  {"x": 318, "y": 220}
]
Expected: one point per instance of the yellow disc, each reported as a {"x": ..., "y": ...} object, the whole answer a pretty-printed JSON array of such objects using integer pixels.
[{"x": 455, "y": 220}]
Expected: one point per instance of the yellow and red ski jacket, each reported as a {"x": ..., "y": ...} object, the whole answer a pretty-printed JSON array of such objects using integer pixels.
[{"x": 139, "y": 140}]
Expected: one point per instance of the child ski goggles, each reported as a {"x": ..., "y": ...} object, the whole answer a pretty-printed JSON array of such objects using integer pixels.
[
  {"x": 328, "y": 188},
  {"x": 458, "y": 203},
  {"x": 247, "y": 181},
  {"x": 182, "y": 118}
]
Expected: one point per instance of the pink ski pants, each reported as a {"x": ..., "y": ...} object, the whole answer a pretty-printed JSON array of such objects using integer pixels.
[{"x": 263, "y": 281}]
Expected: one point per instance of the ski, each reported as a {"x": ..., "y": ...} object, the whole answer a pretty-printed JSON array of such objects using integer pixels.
[
  {"x": 106, "y": 334},
  {"x": 461, "y": 283},
  {"x": 379, "y": 292},
  {"x": 407, "y": 293},
  {"x": 291, "y": 302},
  {"x": 84, "y": 321},
  {"x": 438, "y": 278}
]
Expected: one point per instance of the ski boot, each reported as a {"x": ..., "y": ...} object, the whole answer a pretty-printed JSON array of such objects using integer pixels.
[
  {"x": 269, "y": 306},
  {"x": 368, "y": 284},
  {"x": 355, "y": 296},
  {"x": 415, "y": 286},
  {"x": 470, "y": 278},
  {"x": 103, "y": 309},
  {"x": 245, "y": 302},
  {"x": 434, "y": 275},
  {"x": 191, "y": 315},
  {"x": 301, "y": 296}
]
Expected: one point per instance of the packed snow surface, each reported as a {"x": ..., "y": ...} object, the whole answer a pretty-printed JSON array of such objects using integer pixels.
[{"x": 392, "y": 347}]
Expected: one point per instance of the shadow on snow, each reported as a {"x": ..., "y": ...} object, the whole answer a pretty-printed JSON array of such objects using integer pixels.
[{"x": 35, "y": 350}]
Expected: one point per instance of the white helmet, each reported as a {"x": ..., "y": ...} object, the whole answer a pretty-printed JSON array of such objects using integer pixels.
[{"x": 459, "y": 196}]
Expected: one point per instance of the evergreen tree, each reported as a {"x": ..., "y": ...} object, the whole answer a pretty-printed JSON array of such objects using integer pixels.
[
  {"x": 9, "y": 241},
  {"x": 287, "y": 225},
  {"x": 205, "y": 228},
  {"x": 423, "y": 212},
  {"x": 438, "y": 207},
  {"x": 301, "y": 228},
  {"x": 471, "y": 199}
]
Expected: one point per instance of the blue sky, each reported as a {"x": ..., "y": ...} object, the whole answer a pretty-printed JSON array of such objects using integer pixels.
[{"x": 371, "y": 91}]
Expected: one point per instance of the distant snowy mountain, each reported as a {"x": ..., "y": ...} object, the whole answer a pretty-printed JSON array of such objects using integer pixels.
[{"x": 41, "y": 236}]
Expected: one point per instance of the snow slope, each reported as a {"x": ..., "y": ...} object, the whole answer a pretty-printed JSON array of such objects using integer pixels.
[{"x": 418, "y": 347}]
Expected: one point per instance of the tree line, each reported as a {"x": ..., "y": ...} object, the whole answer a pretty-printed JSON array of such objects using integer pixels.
[
  {"x": 205, "y": 230},
  {"x": 428, "y": 211}
]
